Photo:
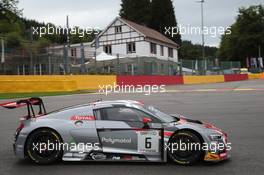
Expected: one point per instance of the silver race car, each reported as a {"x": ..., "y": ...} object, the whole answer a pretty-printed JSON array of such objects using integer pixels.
[{"x": 122, "y": 130}]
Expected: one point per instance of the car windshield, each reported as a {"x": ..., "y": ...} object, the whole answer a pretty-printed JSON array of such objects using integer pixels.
[{"x": 163, "y": 116}]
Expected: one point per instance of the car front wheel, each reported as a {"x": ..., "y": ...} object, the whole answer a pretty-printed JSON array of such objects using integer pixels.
[{"x": 184, "y": 148}]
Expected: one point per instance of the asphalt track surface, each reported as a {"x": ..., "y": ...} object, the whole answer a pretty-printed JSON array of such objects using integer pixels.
[{"x": 236, "y": 107}]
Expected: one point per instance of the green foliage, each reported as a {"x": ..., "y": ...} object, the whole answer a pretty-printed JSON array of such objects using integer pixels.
[
  {"x": 17, "y": 31},
  {"x": 7, "y": 27},
  {"x": 156, "y": 14},
  {"x": 40, "y": 44},
  {"x": 138, "y": 11},
  {"x": 192, "y": 51},
  {"x": 82, "y": 36},
  {"x": 7, "y": 6},
  {"x": 163, "y": 15},
  {"x": 13, "y": 40},
  {"x": 246, "y": 36}
]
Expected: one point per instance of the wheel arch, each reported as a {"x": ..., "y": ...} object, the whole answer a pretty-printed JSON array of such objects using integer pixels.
[{"x": 190, "y": 130}]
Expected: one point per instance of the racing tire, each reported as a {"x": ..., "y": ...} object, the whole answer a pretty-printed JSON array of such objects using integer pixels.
[
  {"x": 183, "y": 155},
  {"x": 39, "y": 147}
]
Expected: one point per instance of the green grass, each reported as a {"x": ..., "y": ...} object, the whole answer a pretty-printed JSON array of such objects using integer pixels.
[{"x": 37, "y": 94}]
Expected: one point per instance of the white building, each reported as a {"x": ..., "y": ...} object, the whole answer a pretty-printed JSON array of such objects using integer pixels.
[
  {"x": 129, "y": 39},
  {"x": 136, "y": 46}
]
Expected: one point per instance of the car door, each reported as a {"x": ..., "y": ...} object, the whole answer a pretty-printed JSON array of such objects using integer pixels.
[
  {"x": 122, "y": 130},
  {"x": 83, "y": 133}
]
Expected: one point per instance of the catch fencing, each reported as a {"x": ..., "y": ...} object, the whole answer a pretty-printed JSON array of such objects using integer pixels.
[{"x": 63, "y": 61}]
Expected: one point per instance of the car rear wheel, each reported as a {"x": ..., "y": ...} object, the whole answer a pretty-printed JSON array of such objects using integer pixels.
[
  {"x": 184, "y": 149},
  {"x": 44, "y": 146}
]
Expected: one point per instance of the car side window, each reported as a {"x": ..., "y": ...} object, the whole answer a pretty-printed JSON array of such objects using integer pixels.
[{"x": 125, "y": 114}]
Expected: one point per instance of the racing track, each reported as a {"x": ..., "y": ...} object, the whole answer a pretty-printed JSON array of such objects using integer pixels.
[{"x": 239, "y": 112}]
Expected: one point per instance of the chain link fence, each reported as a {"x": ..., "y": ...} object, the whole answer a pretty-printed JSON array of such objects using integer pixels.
[
  {"x": 209, "y": 67},
  {"x": 61, "y": 61}
]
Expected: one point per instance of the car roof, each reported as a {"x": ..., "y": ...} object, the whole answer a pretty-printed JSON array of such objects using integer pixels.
[
  {"x": 124, "y": 102},
  {"x": 100, "y": 104}
]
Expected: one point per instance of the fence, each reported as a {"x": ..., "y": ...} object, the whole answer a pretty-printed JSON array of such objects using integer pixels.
[
  {"x": 198, "y": 67},
  {"x": 60, "y": 61},
  {"x": 57, "y": 61}
]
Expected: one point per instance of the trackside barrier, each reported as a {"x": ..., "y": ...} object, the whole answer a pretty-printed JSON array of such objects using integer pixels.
[
  {"x": 53, "y": 83},
  {"x": 262, "y": 76},
  {"x": 203, "y": 79},
  {"x": 238, "y": 77},
  {"x": 10, "y": 86},
  {"x": 60, "y": 83},
  {"x": 254, "y": 76},
  {"x": 92, "y": 82},
  {"x": 149, "y": 80}
]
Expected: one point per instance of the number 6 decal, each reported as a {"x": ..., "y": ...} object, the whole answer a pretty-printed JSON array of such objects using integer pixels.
[{"x": 148, "y": 143}]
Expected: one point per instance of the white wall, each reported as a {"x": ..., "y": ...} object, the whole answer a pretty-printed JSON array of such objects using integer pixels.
[{"x": 142, "y": 49}]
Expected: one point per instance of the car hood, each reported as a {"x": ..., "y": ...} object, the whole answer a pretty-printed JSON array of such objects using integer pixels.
[
  {"x": 180, "y": 118},
  {"x": 183, "y": 120}
]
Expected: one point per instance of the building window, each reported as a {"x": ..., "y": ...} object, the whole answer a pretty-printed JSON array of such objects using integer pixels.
[
  {"x": 161, "y": 50},
  {"x": 170, "y": 52},
  {"x": 153, "y": 48},
  {"x": 131, "y": 47},
  {"x": 73, "y": 52},
  {"x": 108, "y": 49},
  {"x": 118, "y": 29}
]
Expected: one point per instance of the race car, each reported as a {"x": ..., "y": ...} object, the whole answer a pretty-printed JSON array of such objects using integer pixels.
[{"x": 120, "y": 130}]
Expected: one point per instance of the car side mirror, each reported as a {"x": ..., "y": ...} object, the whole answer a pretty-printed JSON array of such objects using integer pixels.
[{"x": 146, "y": 120}]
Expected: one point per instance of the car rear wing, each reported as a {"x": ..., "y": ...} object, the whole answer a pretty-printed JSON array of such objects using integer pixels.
[{"x": 29, "y": 103}]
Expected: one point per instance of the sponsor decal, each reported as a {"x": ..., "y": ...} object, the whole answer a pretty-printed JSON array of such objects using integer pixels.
[
  {"x": 116, "y": 158},
  {"x": 82, "y": 118},
  {"x": 117, "y": 140},
  {"x": 148, "y": 141},
  {"x": 127, "y": 157},
  {"x": 98, "y": 156},
  {"x": 211, "y": 156}
]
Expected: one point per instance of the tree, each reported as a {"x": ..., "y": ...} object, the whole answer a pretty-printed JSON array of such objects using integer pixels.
[
  {"x": 10, "y": 5},
  {"x": 156, "y": 14},
  {"x": 9, "y": 10},
  {"x": 247, "y": 34},
  {"x": 163, "y": 15},
  {"x": 138, "y": 11},
  {"x": 193, "y": 51},
  {"x": 13, "y": 40}
]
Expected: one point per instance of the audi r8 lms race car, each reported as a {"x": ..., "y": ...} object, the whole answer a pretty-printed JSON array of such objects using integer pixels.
[{"x": 121, "y": 130}]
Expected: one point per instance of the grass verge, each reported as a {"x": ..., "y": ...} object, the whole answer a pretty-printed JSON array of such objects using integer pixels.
[{"x": 38, "y": 94}]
